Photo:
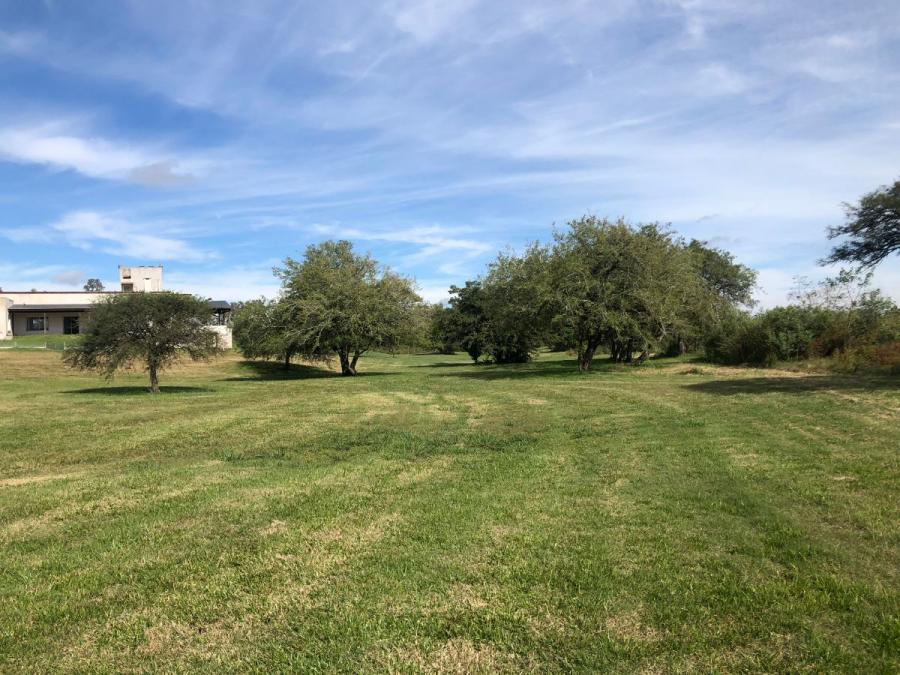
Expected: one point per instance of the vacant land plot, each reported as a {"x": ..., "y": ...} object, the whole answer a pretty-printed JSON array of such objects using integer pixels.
[{"x": 433, "y": 515}]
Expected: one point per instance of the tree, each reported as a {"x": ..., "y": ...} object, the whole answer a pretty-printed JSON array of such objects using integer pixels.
[
  {"x": 261, "y": 330},
  {"x": 467, "y": 318},
  {"x": 93, "y": 285},
  {"x": 725, "y": 287},
  {"x": 153, "y": 329},
  {"x": 619, "y": 285},
  {"x": 727, "y": 279},
  {"x": 514, "y": 299},
  {"x": 444, "y": 329},
  {"x": 336, "y": 301},
  {"x": 873, "y": 228}
]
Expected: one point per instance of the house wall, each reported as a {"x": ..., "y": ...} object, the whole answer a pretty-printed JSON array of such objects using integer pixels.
[
  {"x": 54, "y": 322},
  {"x": 5, "y": 318},
  {"x": 38, "y": 298},
  {"x": 224, "y": 333},
  {"x": 53, "y": 297}
]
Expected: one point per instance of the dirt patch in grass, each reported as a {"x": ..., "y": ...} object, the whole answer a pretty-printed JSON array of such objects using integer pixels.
[
  {"x": 457, "y": 656},
  {"x": 629, "y": 626},
  {"x": 423, "y": 470},
  {"x": 274, "y": 527},
  {"x": 27, "y": 480}
]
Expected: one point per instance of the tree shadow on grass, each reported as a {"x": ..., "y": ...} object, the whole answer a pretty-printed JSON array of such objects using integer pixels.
[
  {"x": 516, "y": 371},
  {"x": 269, "y": 371},
  {"x": 796, "y": 385},
  {"x": 445, "y": 365},
  {"x": 132, "y": 391},
  {"x": 258, "y": 371}
]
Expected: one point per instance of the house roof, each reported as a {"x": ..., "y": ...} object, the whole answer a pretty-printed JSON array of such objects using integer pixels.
[
  {"x": 50, "y": 308},
  {"x": 55, "y": 307}
]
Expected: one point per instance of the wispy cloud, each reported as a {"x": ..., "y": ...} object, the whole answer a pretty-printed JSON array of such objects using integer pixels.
[
  {"x": 88, "y": 229},
  {"x": 110, "y": 234},
  {"x": 49, "y": 144}
]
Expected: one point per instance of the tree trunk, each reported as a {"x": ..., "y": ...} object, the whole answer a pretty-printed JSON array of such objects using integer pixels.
[
  {"x": 287, "y": 360},
  {"x": 154, "y": 379},
  {"x": 347, "y": 368},
  {"x": 585, "y": 358},
  {"x": 356, "y": 356}
]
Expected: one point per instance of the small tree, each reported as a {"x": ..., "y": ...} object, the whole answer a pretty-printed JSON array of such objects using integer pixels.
[
  {"x": 262, "y": 330},
  {"x": 339, "y": 302},
  {"x": 872, "y": 228},
  {"x": 153, "y": 329},
  {"x": 515, "y": 299},
  {"x": 466, "y": 320},
  {"x": 93, "y": 285}
]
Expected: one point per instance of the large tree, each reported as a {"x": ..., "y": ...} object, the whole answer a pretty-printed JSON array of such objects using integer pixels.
[
  {"x": 872, "y": 229},
  {"x": 340, "y": 302},
  {"x": 618, "y": 285},
  {"x": 151, "y": 329}
]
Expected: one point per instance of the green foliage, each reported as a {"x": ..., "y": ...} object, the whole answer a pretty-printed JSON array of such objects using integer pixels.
[
  {"x": 514, "y": 298},
  {"x": 726, "y": 279},
  {"x": 336, "y": 301},
  {"x": 153, "y": 329},
  {"x": 839, "y": 318},
  {"x": 465, "y": 322},
  {"x": 872, "y": 228},
  {"x": 260, "y": 331},
  {"x": 615, "y": 284},
  {"x": 443, "y": 330},
  {"x": 503, "y": 315}
]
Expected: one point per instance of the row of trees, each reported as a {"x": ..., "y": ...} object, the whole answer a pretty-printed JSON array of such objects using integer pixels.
[{"x": 600, "y": 284}]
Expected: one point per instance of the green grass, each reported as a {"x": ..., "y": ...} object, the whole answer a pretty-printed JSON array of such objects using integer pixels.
[
  {"x": 51, "y": 342},
  {"x": 433, "y": 515}
]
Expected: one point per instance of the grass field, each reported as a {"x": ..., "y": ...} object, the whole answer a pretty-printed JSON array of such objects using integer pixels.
[{"x": 433, "y": 515}]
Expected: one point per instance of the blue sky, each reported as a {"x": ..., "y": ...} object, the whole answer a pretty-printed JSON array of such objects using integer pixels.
[{"x": 216, "y": 138}]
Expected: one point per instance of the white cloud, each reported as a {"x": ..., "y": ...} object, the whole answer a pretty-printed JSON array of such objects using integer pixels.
[
  {"x": 434, "y": 241},
  {"x": 426, "y": 20},
  {"x": 53, "y": 145},
  {"x": 91, "y": 230}
]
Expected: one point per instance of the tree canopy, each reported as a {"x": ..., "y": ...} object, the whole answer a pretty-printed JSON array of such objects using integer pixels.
[
  {"x": 93, "y": 285},
  {"x": 872, "y": 229},
  {"x": 335, "y": 301},
  {"x": 152, "y": 329},
  {"x": 619, "y": 285}
]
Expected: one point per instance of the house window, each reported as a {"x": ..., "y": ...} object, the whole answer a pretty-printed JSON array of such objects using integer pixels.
[
  {"x": 35, "y": 323},
  {"x": 70, "y": 325},
  {"x": 127, "y": 288}
]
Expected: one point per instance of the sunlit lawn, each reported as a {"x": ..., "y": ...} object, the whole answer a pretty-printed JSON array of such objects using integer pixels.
[{"x": 435, "y": 515}]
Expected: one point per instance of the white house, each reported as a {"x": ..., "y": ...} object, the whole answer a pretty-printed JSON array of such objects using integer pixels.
[{"x": 60, "y": 312}]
